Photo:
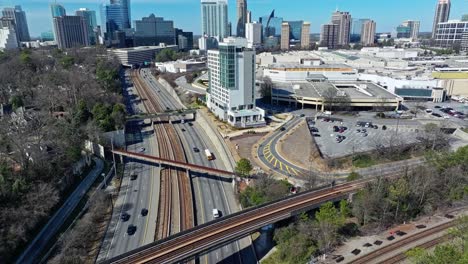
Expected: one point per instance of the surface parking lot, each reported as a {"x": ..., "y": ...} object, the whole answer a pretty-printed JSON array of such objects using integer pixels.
[{"x": 354, "y": 141}]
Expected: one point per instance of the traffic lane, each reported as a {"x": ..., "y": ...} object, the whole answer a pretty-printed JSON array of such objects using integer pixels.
[
  {"x": 211, "y": 192},
  {"x": 210, "y": 197}
]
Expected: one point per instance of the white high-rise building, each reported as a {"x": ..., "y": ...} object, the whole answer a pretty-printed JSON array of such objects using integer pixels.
[
  {"x": 442, "y": 14},
  {"x": 231, "y": 95},
  {"x": 413, "y": 26},
  {"x": 215, "y": 18},
  {"x": 253, "y": 34},
  {"x": 8, "y": 38}
]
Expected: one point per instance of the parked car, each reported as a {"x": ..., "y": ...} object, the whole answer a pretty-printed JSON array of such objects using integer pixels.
[{"x": 436, "y": 115}]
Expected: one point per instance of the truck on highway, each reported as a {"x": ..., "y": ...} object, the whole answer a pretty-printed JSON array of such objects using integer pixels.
[{"x": 209, "y": 155}]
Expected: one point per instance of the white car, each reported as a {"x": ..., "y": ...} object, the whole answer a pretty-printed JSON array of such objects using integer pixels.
[
  {"x": 446, "y": 117},
  {"x": 216, "y": 213}
]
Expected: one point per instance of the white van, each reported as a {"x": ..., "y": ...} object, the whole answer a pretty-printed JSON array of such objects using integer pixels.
[{"x": 216, "y": 213}]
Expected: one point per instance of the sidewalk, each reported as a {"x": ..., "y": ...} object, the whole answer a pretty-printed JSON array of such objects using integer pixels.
[{"x": 33, "y": 251}]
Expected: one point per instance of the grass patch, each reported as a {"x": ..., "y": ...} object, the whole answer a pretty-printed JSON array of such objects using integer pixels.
[{"x": 363, "y": 161}]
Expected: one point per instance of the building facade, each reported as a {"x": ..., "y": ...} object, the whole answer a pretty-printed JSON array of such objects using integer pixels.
[
  {"x": 152, "y": 30},
  {"x": 442, "y": 14},
  {"x": 253, "y": 34},
  {"x": 115, "y": 16},
  {"x": 305, "y": 36},
  {"x": 19, "y": 16},
  {"x": 139, "y": 55},
  {"x": 285, "y": 32},
  {"x": 231, "y": 93},
  {"x": 408, "y": 29},
  {"x": 215, "y": 18},
  {"x": 295, "y": 30},
  {"x": 184, "y": 39},
  {"x": 8, "y": 38},
  {"x": 343, "y": 21},
  {"x": 368, "y": 33},
  {"x": 57, "y": 10},
  {"x": 450, "y": 33},
  {"x": 71, "y": 31},
  {"x": 357, "y": 29},
  {"x": 271, "y": 25},
  {"x": 241, "y": 17},
  {"x": 90, "y": 18},
  {"x": 329, "y": 36}
]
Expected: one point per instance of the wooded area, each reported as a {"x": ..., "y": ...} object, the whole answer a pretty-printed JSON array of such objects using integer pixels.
[{"x": 53, "y": 101}]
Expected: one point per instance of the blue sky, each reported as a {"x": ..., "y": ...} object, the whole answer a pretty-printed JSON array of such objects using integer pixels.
[{"x": 186, "y": 13}]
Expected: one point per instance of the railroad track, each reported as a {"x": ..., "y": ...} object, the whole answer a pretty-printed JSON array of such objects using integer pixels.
[
  {"x": 373, "y": 256},
  {"x": 175, "y": 204}
]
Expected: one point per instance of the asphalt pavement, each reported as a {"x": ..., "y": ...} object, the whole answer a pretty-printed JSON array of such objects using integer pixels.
[
  {"x": 134, "y": 195},
  {"x": 33, "y": 251}
]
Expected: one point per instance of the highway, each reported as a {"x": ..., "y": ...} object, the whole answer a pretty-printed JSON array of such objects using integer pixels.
[
  {"x": 34, "y": 249},
  {"x": 134, "y": 195},
  {"x": 210, "y": 192}
]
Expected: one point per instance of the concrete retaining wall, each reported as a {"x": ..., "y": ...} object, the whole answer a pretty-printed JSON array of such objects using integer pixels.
[
  {"x": 171, "y": 91},
  {"x": 218, "y": 141}
]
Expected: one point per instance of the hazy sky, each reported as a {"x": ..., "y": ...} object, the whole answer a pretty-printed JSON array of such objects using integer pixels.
[{"x": 186, "y": 13}]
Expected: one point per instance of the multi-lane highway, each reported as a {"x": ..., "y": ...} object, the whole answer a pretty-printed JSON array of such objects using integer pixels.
[
  {"x": 136, "y": 193},
  {"x": 209, "y": 191}
]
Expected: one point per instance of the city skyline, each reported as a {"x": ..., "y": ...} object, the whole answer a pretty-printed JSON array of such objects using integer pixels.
[{"x": 188, "y": 14}]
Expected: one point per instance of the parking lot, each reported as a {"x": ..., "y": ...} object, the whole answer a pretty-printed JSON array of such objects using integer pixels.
[{"x": 345, "y": 138}]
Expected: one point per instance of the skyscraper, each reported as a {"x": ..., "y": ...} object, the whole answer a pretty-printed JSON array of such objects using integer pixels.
[
  {"x": 8, "y": 38},
  {"x": 253, "y": 34},
  {"x": 215, "y": 18},
  {"x": 295, "y": 30},
  {"x": 71, "y": 31},
  {"x": 329, "y": 36},
  {"x": 343, "y": 21},
  {"x": 271, "y": 25},
  {"x": 249, "y": 16},
  {"x": 241, "y": 17},
  {"x": 368, "y": 33},
  {"x": 90, "y": 17},
  {"x": 115, "y": 16},
  {"x": 442, "y": 14},
  {"x": 184, "y": 39},
  {"x": 152, "y": 30},
  {"x": 19, "y": 16},
  {"x": 57, "y": 10},
  {"x": 285, "y": 36},
  {"x": 305, "y": 35},
  {"x": 413, "y": 26},
  {"x": 356, "y": 29}
]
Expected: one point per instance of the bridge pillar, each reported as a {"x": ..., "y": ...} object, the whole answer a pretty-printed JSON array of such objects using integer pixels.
[
  {"x": 350, "y": 197},
  {"x": 194, "y": 116},
  {"x": 121, "y": 159}
]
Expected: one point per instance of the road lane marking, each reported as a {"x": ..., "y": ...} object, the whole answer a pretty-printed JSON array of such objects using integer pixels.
[
  {"x": 281, "y": 165},
  {"x": 287, "y": 168},
  {"x": 276, "y": 162}
]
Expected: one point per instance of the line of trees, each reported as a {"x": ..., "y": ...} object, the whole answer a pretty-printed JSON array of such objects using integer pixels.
[{"x": 58, "y": 100}]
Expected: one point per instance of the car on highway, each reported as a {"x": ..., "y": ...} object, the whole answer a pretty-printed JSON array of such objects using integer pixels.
[
  {"x": 190, "y": 124},
  {"x": 364, "y": 135},
  {"x": 216, "y": 213},
  {"x": 133, "y": 177},
  {"x": 144, "y": 212},
  {"x": 196, "y": 150},
  {"x": 282, "y": 129},
  {"x": 183, "y": 130},
  {"x": 125, "y": 217},
  {"x": 131, "y": 229}
]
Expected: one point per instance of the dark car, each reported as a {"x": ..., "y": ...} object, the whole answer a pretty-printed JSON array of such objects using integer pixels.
[
  {"x": 282, "y": 128},
  {"x": 436, "y": 115},
  {"x": 195, "y": 149},
  {"x": 133, "y": 177},
  {"x": 183, "y": 130},
  {"x": 302, "y": 115},
  {"x": 144, "y": 212},
  {"x": 437, "y": 106},
  {"x": 131, "y": 230},
  {"x": 124, "y": 217},
  {"x": 190, "y": 124}
]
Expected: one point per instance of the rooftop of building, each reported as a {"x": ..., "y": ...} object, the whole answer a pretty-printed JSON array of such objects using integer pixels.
[
  {"x": 302, "y": 66},
  {"x": 356, "y": 90},
  {"x": 143, "y": 48}
]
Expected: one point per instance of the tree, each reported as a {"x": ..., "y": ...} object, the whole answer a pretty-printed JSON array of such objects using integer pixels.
[
  {"x": 353, "y": 176},
  {"x": 328, "y": 221},
  {"x": 16, "y": 102},
  {"x": 167, "y": 55},
  {"x": 243, "y": 167},
  {"x": 335, "y": 99},
  {"x": 265, "y": 89}
]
